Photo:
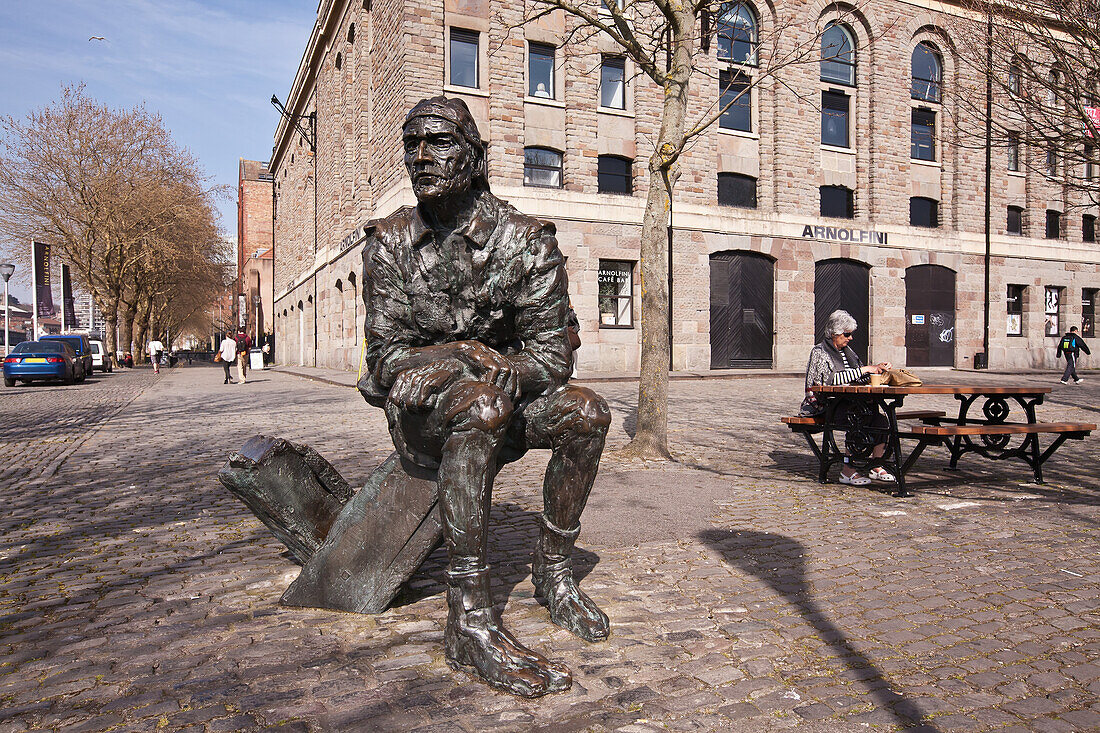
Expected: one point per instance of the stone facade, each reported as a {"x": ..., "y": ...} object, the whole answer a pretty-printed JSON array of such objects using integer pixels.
[{"x": 367, "y": 64}]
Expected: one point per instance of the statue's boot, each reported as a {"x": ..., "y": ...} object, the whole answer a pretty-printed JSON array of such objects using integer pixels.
[
  {"x": 476, "y": 641},
  {"x": 552, "y": 573}
]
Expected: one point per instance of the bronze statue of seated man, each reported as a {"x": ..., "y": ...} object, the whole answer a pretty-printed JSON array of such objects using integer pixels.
[{"x": 468, "y": 354}]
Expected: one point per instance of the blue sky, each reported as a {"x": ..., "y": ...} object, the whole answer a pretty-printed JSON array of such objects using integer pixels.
[{"x": 208, "y": 67}]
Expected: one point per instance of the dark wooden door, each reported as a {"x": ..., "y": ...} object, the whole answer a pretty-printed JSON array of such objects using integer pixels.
[
  {"x": 843, "y": 285},
  {"x": 929, "y": 316},
  {"x": 742, "y": 315}
]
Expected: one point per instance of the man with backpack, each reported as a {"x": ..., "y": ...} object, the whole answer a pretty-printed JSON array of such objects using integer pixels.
[
  {"x": 244, "y": 343},
  {"x": 1070, "y": 347}
]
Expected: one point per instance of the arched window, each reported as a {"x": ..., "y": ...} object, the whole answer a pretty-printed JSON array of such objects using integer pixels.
[
  {"x": 838, "y": 55},
  {"x": 542, "y": 167},
  {"x": 737, "y": 34},
  {"x": 927, "y": 73},
  {"x": 339, "y": 61},
  {"x": 1015, "y": 73},
  {"x": 351, "y": 33}
]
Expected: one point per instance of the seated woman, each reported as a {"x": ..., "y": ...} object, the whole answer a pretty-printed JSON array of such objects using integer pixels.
[{"x": 833, "y": 362}]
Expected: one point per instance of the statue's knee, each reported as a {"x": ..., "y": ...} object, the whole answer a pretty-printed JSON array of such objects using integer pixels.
[
  {"x": 477, "y": 406},
  {"x": 588, "y": 412}
]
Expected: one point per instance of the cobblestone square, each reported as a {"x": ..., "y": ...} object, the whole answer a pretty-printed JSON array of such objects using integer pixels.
[{"x": 138, "y": 594}]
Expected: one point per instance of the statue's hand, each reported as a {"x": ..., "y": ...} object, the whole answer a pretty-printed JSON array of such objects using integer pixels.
[
  {"x": 416, "y": 387},
  {"x": 489, "y": 365}
]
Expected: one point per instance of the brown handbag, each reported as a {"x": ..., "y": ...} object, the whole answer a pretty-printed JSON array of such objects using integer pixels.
[
  {"x": 896, "y": 378},
  {"x": 217, "y": 357}
]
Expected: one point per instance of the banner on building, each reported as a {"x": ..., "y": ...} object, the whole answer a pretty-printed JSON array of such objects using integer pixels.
[
  {"x": 1093, "y": 113},
  {"x": 43, "y": 294},
  {"x": 68, "y": 302}
]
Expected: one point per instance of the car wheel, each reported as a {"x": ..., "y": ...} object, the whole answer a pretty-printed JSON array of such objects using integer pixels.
[
  {"x": 9, "y": 382},
  {"x": 82, "y": 377}
]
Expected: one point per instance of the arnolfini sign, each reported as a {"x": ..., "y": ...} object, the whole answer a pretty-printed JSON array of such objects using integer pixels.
[{"x": 844, "y": 234}]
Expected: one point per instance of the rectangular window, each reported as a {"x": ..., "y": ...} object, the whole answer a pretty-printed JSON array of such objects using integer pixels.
[
  {"x": 1014, "y": 79},
  {"x": 1015, "y": 220},
  {"x": 837, "y": 201},
  {"x": 613, "y": 82},
  {"x": 1088, "y": 228},
  {"x": 1014, "y": 151},
  {"x": 735, "y": 189},
  {"x": 1015, "y": 307},
  {"x": 834, "y": 119},
  {"x": 540, "y": 70},
  {"x": 541, "y": 167},
  {"x": 614, "y": 175},
  {"x": 616, "y": 298},
  {"x": 1054, "y": 224},
  {"x": 1052, "y": 162},
  {"x": 923, "y": 145},
  {"x": 736, "y": 102},
  {"x": 924, "y": 212},
  {"x": 1090, "y": 163},
  {"x": 1088, "y": 312},
  {"x": 1052, "y": 310},
  {"x": 464, "y": 58}
]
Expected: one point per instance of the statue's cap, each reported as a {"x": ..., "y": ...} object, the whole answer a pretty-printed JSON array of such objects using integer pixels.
[{"x": 452, "y": 109}]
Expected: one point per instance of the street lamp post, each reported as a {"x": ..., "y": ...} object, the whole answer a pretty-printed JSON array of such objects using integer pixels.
[{"x": 6, "y": 271}]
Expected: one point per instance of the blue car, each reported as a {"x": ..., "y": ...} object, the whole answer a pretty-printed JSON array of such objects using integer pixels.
[{"x": 33, "y": 360}]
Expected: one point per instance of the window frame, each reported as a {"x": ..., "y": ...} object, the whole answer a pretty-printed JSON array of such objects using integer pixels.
[
  {"x": 559, "y": 169},
  {"x": 1016, "y": 309},
  {"x": 1013, "y": 152},
  {"x": 728, "y": 32},
  {"x": 1052, "y": 327},
  {"x": 605, "y": 265},
  {"x": 602, "y": 175},
  {"x": 534, "y": 48},
  {"x": 467, "y": 37},
  {"x": 741, "y": 178},
  {"x": 744, "y": 101},
  {"x": 1088, "y": 312},
  {"x": 915, "y": 146},
  {"x": 1088, "y": 228},
  {"x": 1019, "y": 212},
  {"x": 613, "y": 61},
  {"x": 1055, "y": 216},
  {"x": 850, "y": 39},
  {"x": 827, "y": 94},
  {"x": 1015, "y": 75},
  {"x": 933, "y": 212},
  {"x": 850, "y": 199},
  {"x": 934, "y": 85}
]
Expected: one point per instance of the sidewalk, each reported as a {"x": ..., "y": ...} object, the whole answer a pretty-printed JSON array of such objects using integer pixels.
[{"x": 139, "y": 595}]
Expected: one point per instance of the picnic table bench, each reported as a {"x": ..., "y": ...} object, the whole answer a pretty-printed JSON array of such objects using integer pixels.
[{"x": 849, "y": 409}]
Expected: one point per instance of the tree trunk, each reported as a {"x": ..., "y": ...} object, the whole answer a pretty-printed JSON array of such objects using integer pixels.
[
  {"x": 651, "y": 436},
  {"x": 126, "y": 323}
]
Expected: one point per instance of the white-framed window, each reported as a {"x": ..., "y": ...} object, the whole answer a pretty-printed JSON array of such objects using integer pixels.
[
  {"x": 613, "y": 82},
  {"x": 542, "y": 167},
  {"x": 736, "y": 30},
  {"x": 540, "y": 70},
  {"x": 464, "y": 58},
  {"x": 838, "y": 55},
  {"x": 927, "y": 70},
  {"x": 616, "y": 298},
  {"x": 736, "y": 101}
]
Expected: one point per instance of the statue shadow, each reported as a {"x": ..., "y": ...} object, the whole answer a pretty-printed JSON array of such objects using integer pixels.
[
  {"x": 778, "y": 561},
  {"x": 513, "y": 531}
]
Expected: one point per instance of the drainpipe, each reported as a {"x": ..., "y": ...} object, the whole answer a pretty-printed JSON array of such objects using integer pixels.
[{"x": 988, "y": 181}]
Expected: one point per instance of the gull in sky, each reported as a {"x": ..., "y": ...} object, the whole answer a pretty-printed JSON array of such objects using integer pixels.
[{"x": 97, "y": 38}]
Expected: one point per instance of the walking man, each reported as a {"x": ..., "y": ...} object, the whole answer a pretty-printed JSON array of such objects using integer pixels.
[
  {"x": 244, "y": 343},
  {"x": 1070, "y": 347},
  {"x": 154, "y": 349}
]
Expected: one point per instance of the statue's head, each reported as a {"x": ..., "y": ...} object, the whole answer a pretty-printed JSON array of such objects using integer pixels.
[{"x": 444, "y": 153}]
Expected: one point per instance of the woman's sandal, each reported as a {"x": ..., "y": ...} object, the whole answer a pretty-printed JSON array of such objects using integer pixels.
[
  {"x": 854, "y": 480},
  {"x": 881, "y": 474}
]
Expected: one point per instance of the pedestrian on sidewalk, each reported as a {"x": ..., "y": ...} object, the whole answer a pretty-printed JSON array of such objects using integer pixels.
[
  {"x": 1071, "y": 347},
  {"x": 227, "y": 350},
  {"x": 244, "y": 343},
  {"x": 154, "y": 350}
]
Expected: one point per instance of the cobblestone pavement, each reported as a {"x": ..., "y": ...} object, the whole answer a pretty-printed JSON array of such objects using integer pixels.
[{"x": 137, "y": 594}]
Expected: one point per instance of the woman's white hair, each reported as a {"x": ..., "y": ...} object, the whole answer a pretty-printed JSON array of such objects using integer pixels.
[{"x": 839, "y": 321}]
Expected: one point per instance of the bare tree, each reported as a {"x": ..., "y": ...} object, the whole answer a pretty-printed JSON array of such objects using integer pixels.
[
  {"x": 666, "y": 40},
  {"x": 1042, "y": 63},
  {"x": 113, "y": 194}
]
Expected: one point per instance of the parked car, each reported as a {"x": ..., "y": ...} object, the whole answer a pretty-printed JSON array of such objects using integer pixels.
[
  {"x": 101, "y": 358},
  {"x": 52, "y": 359},
  {"x": 81, "y": 345}
]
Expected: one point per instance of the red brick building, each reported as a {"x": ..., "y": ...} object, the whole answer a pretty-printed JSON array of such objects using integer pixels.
[
  {"x": 842, "y": 184},
  {"x": 254, "y": 247}
]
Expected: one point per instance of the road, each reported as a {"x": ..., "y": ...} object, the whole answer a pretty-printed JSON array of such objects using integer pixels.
[{"x": 137, "y": 594}]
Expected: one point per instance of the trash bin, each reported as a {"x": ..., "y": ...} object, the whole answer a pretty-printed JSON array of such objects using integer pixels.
[
  {"x": 256, "y": 359},
  {"x": 979, "y": 361}
]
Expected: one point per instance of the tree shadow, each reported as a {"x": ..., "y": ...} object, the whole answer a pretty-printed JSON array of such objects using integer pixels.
[{"x": 779, "y": 561}]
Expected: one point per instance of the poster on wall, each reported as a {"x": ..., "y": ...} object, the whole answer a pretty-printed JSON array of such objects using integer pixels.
[
  {"x": 1053, "y": 295},
  {"x": 1015, "y": 327}
]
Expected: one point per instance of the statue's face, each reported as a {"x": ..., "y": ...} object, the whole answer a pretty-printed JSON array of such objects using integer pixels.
[{"x": 439, "y": 159}]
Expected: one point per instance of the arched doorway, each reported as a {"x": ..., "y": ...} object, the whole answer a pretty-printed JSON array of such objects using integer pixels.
[
  {"x": 929, "y": 316},
  {"x": 742, "y": 311},
  {"x": 845, "y": 285}
]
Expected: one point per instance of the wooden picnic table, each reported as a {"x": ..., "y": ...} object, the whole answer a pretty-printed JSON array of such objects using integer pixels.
[{"x": 850, "y": 409}]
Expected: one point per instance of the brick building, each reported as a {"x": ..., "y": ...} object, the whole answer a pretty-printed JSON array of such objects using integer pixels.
[
  {"x": 255, "y": 261},
  {"x": 774, "y": 224}
]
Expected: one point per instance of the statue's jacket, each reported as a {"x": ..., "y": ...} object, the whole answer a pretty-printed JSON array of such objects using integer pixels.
[{"x": 499, "y": 278}]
